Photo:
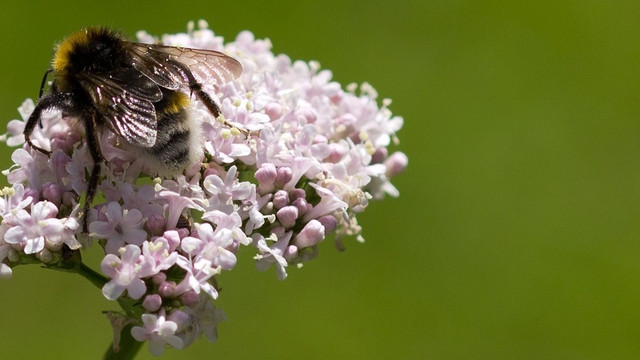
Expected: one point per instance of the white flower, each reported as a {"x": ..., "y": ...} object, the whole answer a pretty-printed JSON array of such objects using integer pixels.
[
  {"x": 122, "y": 226},
  {"x": 31, "y": 229},
  {"x": 125, "y": 272},
  {"x": 159, "y": 332}
]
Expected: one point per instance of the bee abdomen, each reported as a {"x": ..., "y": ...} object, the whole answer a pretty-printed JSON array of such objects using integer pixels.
[
  {"x": 172, "y": 145},
  {"x": 178, "y": 143}
]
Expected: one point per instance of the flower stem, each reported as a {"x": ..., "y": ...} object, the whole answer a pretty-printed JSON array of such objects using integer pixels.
[
  {"x": 94, "y": 277},
  {"x": 128, "y": 346}
]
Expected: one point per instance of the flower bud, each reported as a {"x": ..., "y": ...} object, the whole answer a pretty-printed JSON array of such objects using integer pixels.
[
  {"x": 396, "y": 163},
  {"x": 291, "y": 252},
  {"x": 28, "y": 191},
  {"x": 284, "y": 176},
  {"x": 182, "y": 233},
  {"x": 266, "y": 176},
  {"x": 152, "y": 302},
  {"x": 280, "y": 199},
  {"x": 166, "y": 289},
  {"x": 273, "y": 110},
  {"x": 287, "y": 216},
  {"x": 45, "y": 255},
  {"x": 189, "y": 298},
  {"x": 379, "y": 155},
  {"x": 52, "y": 192},
  {"x": 297, "y": 193},
  {"x": 159, "y": 278},
  {"x": 156, "y": 224},
  {"x": 302, "y": 205},
  {"x": 329, "y": 222},
  {"x": 307, "y": 113},
  {"x": 311, "y": 234}
]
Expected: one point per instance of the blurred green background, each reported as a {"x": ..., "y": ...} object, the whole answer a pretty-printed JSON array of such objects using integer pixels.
[{"x": 516, "y": 234}]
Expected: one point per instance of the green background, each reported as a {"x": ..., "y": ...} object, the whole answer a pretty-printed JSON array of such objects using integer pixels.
[{"x": 516, "y": 232}]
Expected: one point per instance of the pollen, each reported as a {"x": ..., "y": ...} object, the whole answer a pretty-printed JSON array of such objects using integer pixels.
[
  {"x": 8, "y": 191},
  {"x": 364, "y": 136},
  {"x": 369, "y": 147},
  {"x": 226, "y": 134}
]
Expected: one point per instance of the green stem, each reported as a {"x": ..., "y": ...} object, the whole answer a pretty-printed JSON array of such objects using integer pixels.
[
  {"x": 93, "y": 276},
  {"x": 128, "y": 346}
]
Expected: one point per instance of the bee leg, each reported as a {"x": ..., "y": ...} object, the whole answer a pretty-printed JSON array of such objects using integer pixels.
[
  {"x": 196, "y": 88},
  {"x": 44, "y": 81},
  {"x": 96, "y": 156},
  {"x": 33, "y": 120},
  {"x": 46, "y": 152},
  {"x": 61, "y": 101},
  {"x": 42, "y": 85}
]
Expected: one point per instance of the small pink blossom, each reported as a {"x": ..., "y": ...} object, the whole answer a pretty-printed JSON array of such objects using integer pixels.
[
  {"x": 125, "y": 272},
  {"x": 310, "y": 235},
  {"x": 198, "y": 275},
  {"x": 273, "y": 255},
  {"x": 31, "y": 229},
  {"x": 157, "y": 253},
  {"x": 122, "y": 226},
  {"x": 159, "y": 332}
]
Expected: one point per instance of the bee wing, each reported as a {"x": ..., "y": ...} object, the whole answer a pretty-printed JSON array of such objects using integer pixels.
[
  {"x": 136, "y": 83},
  {"x": 158, "y": 62},
  {"x": 125, "y": 100}
]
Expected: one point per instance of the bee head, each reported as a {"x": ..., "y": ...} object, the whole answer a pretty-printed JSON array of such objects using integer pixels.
[{"x": 92, "y": 49}]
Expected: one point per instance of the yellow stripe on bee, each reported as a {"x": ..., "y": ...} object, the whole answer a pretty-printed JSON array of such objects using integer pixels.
[
  {"x": 175, "y": 102},
  {"x": 63, "y": 52}
]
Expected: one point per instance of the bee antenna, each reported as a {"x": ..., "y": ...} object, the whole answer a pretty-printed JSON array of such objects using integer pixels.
[{"x": 44, "y": 81}]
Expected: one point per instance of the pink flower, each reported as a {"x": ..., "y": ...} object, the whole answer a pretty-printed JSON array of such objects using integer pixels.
[
  {"x": 158, "y": 254},
  {"x": 159, "y": 332},
  {"x": 214, "y": 246},
  {"x": 121, "y": 227},
  {"x": 310, "y": 235},
  {"x": 31, "y": 229},
  {"x": 274, "y": 254},
  {"x": 198, "y": 274},
  {"x": 125, "y": 272},
  {"x": 13, "y": 199}
]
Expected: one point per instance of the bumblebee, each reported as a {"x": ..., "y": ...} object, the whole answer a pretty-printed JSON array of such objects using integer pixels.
[{"x": 137, "y": 91}]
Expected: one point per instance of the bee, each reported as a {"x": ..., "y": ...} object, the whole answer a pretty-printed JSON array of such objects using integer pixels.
[{"x": 138, "y": 92}]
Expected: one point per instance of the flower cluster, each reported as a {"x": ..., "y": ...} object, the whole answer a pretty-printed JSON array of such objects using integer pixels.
[{"x": 310, "y": 157}]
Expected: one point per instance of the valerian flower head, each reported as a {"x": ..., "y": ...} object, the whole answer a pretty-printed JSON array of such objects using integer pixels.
[{"x": 293, "y": 158}]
